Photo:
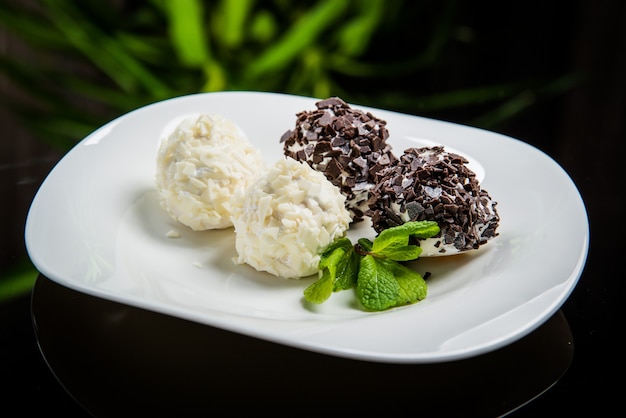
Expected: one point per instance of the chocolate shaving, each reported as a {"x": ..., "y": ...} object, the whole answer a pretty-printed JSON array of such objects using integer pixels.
[
  {"x": 429, "y": 183},
  {"x": 349, "y": 147}
]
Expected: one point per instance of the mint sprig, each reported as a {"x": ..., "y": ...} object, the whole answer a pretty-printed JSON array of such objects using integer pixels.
[
  {"x": 374, "y": 268},
  {"x": 338, "y": 267}
]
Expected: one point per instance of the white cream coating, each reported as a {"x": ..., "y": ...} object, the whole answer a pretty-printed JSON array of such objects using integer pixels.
[
  {"x": 200, "y": 166},
  {"x": 286, "y": 217}
]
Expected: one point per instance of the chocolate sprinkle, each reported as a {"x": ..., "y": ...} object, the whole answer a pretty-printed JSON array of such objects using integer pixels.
[
  {"x": 429, "y": 183},
  {"x": 348, "y": 145}
]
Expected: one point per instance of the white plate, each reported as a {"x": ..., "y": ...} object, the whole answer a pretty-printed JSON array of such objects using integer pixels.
[{"x": 95, "y": 226}]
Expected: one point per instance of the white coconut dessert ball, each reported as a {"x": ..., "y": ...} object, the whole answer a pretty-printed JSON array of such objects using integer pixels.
[
  {"x": 200, "y": 166},
  {"x": 286, "y": 218}
]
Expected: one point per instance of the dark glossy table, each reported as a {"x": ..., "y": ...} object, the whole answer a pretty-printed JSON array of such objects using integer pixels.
[{"x": 116, "y": 360}]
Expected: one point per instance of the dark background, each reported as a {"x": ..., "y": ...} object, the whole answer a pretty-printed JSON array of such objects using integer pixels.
[{"x": 582, "y": 130}]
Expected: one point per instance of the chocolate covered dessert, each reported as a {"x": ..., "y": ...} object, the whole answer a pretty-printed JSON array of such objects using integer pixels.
[
  {"x": 430, "y": 183},
  {"x": 348, "y": 145}
]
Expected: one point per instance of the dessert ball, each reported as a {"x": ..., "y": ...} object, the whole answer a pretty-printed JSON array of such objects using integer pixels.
[
  {"x": 348, "y": 145},
  {"x": 429, "y": 183},
  {"x": 200, "y": 166},
  {"x": 286, "y": 217}
]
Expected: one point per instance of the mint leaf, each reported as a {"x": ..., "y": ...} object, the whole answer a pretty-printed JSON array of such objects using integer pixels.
[
  {"x": 347, "y": 270},
  {"x": 377, "y": 288},
  {"x": 402, "y": 253},
  {"x": 322, "y": 288},
  {"x": 374, "y": 268},
  {"x": 339, "y": 267},
  {"x": 365, "y": 244},
  {"x": 393, "y": 243},
  {"x": 419, "y": 229},
  {"x": 343, "y": 244},
  {"x": 412, "y": 286}
]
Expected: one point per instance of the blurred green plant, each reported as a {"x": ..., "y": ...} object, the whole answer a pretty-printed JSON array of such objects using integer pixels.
[{"x": 87, "y": 62}]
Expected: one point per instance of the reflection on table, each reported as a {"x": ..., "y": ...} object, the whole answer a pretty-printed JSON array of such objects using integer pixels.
[{"x": 118, "y": 360}]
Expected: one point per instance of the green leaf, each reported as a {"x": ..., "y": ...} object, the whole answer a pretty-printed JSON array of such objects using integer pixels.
[
  {"x": 393, "y": 242},
  {"x": 299, "y": 36},
  {"x": 17, "y": 279},
  {"x": 377, "y": 289},
  {"x": 355, "y": 35},
  {"x": 418, "y": 229},
  {"x": 232, "y": 24},
  {"x": 186, "y": 27},
  {"x": 412, "y": 286},
  {"x": 104, "y": 51},
  {"x": 263, "y": 27},
  {"x": 403, "y": 253},
  {"x": 215, "y": 77},
  {"x": 347, "y": 271},
  {"x": 149, "y": 49},
  {"x": 374, "y": 268},
  {"x": 365, "y": 244},
  {"x": 339, "y": 244},
  {"x": 321, "y": 289},
  {"x": 331, "y": 261},
  {"x": 32, "y": 29}
]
